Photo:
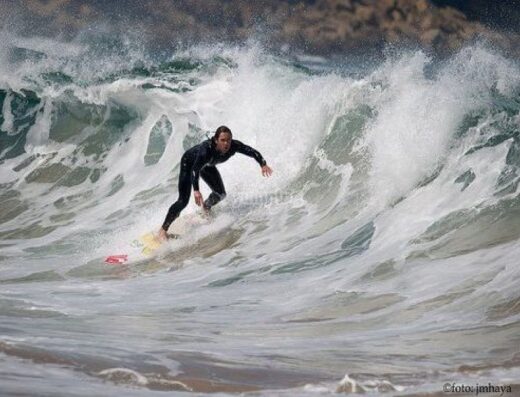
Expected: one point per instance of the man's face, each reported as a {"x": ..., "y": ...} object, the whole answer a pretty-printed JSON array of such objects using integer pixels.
[{"x": 224, "y": 142}]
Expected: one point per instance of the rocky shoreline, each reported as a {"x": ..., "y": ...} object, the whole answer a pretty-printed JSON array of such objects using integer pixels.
[
  {"x": 345, "y": 24},
  {"x": 320, "y": 27}
]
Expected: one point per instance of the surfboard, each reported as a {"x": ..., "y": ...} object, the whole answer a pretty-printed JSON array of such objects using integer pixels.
[{"x": 147, "y": 243}]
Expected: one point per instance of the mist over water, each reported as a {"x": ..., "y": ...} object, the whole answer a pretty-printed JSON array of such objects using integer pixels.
[{"x": 384, "y": 247}]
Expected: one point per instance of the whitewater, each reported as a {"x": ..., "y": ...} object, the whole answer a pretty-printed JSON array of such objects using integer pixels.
[{"x": 381, "y": 256}]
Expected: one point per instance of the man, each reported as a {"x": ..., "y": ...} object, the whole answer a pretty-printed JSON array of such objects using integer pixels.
[{"x": 200, "y": 161}]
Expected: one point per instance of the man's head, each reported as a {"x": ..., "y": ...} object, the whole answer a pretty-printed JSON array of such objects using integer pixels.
[{"x": 222, "y": 139}]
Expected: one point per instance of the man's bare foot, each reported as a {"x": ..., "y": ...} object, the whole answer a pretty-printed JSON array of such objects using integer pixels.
[
  {"x": 206, "y": 211},
  {"x": 162, "y": 236}
]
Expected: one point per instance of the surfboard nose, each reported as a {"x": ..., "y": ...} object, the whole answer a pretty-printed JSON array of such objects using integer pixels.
[{"x": 116, "y": 259}]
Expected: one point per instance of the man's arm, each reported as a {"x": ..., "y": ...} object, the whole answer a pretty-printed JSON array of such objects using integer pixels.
[
  {"x": 200, "y": 161},
  {"x": 249, "y": 151}
]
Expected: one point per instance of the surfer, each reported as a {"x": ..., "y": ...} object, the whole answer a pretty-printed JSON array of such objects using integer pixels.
[{"x": 200, "y": 161}]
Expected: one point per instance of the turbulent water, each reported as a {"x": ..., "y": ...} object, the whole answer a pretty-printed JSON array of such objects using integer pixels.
[{"x": 382, "y": 255}]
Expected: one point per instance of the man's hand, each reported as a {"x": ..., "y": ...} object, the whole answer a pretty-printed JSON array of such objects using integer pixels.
[
  {"x": 198, "y": 198},
  {"x": 266, "y": 170}
]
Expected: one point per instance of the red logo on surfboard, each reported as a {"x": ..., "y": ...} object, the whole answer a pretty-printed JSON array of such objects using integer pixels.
[{"x": 116, "y": 259}]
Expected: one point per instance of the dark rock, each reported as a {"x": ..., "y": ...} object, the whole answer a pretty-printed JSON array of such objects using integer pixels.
[{"x": 320, "y": 27}]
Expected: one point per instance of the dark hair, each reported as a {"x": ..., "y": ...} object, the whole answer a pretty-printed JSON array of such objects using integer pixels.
[{"x": 220, "y": 130}]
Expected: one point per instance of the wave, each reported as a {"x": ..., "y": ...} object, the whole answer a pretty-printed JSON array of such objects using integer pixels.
[{"x": 392, "y": 213}]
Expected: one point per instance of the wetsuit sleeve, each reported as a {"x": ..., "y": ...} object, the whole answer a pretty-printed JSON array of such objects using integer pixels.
[
  {"x": 249, "y": 151},
  {"x": 200, "y": 161}
]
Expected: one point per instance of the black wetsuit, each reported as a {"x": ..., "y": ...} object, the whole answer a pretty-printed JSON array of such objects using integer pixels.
[{"x": 200, "y": 161}]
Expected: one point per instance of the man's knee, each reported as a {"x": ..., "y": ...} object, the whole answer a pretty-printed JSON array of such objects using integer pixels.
[{"x": 217, "y": 197}]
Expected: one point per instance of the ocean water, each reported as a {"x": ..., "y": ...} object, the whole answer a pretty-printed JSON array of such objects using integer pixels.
[{"x": 381, "y": 256}]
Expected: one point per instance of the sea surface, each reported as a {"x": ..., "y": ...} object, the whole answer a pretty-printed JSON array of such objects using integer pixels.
[{"x": 381, "y": 256}]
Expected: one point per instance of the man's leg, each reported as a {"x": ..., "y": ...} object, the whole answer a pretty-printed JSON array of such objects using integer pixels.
[
  {"x": 184, "y": 196},
  {"x": 212, "y": 177}
]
